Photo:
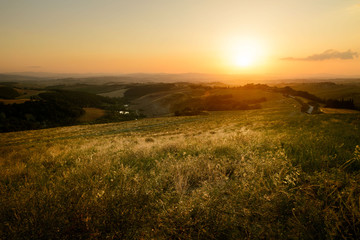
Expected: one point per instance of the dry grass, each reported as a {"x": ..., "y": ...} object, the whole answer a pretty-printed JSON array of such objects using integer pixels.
[
  {"x": 273, "y": 173},
  {"x": 91, "y": 114}
]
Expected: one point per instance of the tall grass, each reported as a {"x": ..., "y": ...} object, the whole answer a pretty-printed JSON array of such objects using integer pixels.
[{"x": 272, "y": 173}]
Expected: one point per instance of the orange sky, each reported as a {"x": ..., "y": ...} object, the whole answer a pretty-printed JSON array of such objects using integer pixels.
[{"x": 284, "y": 37}]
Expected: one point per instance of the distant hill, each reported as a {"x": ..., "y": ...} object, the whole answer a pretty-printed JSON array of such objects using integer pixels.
[
  {"x": 8, "y": 92},
  {"x": 18, "y": 78},
  {"x": 89, "y": 88},
  {"x": 49, "y": 79}
]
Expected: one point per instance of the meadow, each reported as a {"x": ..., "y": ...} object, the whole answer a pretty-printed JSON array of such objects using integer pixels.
[{"x": 270, "y": 173}]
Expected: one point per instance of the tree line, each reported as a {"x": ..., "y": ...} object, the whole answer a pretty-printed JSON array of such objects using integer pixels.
[{"x": 52, "y": 109}]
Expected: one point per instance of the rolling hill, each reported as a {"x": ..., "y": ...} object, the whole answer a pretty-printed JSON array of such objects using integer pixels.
[{"x": 263, "y": 173}]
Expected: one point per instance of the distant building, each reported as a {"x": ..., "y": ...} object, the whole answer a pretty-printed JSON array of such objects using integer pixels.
[{"x": 310, "y": 109}]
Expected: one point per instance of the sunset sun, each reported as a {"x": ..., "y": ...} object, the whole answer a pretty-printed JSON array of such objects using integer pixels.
[
  {"x": 245, "y": 58},
  {"x": 246, "y": 53}
]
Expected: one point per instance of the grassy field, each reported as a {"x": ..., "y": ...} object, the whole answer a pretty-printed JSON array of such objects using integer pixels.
[
  {"x": 271, "y": 173},
  {"x": 91, "y": 114},
  {"x": 116, "y": 93},
  {"x": 165, "y": 103}
]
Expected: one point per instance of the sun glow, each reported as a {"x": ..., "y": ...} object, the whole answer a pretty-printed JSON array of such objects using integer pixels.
[
  {"x": 245, "y": 59},
  {"x": 245, "y": 53}
]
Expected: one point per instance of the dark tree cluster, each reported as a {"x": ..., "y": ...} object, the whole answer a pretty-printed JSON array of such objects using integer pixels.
[
  {"x": 80, "y": 99},
  {"x": 8, "y": 92},
  {"x": 256, "y": 86},
  {"x": 50, "y": 109},
  {"x": 59, "y": 108},
  {"x": 342, "y": 103},
  {"x": 304, "y": 94},
  {"x": 36, "y": 115},
  {"x": 89, "y": 88}
]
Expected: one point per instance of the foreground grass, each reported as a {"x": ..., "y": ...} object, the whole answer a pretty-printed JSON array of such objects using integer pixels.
[{"x": 272, "y": 173}]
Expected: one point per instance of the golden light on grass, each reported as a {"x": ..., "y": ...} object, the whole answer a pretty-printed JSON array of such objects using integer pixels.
[{"x": 156, "y": 176}]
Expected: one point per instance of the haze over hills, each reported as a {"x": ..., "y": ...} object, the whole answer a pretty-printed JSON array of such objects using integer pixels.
[{"x": 232, "y": 79}]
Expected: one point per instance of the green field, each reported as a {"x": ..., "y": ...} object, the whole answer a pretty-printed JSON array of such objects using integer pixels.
[{"x": 271, "y": 173}]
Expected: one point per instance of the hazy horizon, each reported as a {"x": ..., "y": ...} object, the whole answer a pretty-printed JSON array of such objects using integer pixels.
[{"x": 314, "y": 76}]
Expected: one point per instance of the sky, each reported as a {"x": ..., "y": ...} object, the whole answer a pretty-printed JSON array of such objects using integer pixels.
[{"x": 278, "y": 37}]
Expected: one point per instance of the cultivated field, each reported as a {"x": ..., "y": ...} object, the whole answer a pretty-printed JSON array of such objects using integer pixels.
[{"x": 272, "y": 173}]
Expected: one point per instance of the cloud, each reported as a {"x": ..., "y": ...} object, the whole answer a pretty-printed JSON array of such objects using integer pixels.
[
  {"x": 328, "y": 54},
  {"x": 34, "y": 66}
]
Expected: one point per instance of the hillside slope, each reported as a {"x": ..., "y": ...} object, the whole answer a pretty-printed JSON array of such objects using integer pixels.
[
  {"x": 331, "y": 90},
  {"x": 264, "y": 173}
]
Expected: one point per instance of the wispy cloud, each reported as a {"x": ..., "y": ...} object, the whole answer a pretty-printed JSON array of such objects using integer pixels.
[
  {"x": 328, "y": 54},
  {"x": 34, "y": 66}
]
